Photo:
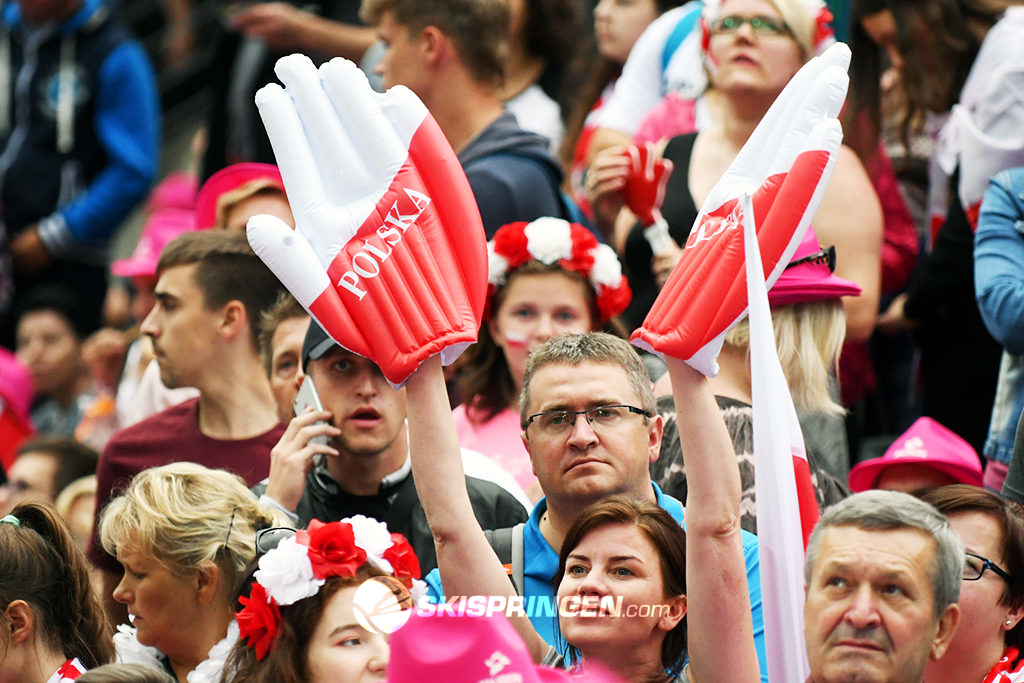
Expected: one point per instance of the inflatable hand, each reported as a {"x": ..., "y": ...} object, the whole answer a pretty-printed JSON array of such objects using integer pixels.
[
  {"x": 784, "y": 166},
  {"x": 644, "y": 193},
  {"x": 388, "y": 254}
]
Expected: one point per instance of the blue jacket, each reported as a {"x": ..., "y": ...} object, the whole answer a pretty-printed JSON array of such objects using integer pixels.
[
  {"x": 540, "y": 563},
  {"x": 999, "y": 286},
  {"x": 79, "y": 128}
]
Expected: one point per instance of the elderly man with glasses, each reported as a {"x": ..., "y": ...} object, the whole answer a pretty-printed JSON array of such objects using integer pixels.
[{"x": 591, "y": 428}]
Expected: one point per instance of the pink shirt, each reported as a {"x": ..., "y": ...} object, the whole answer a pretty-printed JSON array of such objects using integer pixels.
[{"x": 499, "y": 440}]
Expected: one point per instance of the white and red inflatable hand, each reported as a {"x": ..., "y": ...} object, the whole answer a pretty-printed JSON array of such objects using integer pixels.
[
  {"x": 389, "y": 253},
  {"x": 644, "y": 193},
  {"x": 785, "y": 167}
]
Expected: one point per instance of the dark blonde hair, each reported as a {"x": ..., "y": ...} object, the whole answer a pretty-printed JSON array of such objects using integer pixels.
[{"x": 40, "y": 564}]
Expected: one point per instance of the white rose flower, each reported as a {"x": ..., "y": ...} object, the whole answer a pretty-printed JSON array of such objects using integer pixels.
[
  {"x": 287, "y": 574},
  {"x": 548, "y": 239},
  {"x": 607, "y": 270},
  {"x": 419, "y": 593},
  {"x": 497, "y": 266},
  {"x": 373, "y": 537}
]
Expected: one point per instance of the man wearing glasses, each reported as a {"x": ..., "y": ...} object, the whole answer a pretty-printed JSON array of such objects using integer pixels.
[{"x": 590, "y": 426}]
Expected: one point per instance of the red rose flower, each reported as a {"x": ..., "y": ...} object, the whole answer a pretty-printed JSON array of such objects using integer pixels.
[
  {"x": 510, "y": 241},
  {"x": 404, "y": 563},
  {"x": 583, "y": 243},
  {"x": 332, "y": 549},
  {"x": 258, "y": 620},
  {"x": 613, "y": 300}
]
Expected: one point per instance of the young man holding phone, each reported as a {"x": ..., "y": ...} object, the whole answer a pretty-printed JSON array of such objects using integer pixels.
[{"x": 364, "y": 467}]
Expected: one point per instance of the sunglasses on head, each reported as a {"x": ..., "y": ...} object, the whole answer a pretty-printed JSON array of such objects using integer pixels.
[{"x": 825, "y": 257}]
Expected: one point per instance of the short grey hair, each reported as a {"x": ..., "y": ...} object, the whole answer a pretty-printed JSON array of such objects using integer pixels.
[
  {"x": 592, "y": 347},
  {"x": 891, "y": 510}
]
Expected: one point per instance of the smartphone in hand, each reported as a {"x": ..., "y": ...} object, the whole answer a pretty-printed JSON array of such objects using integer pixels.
[{"x": 309, "y": 398}]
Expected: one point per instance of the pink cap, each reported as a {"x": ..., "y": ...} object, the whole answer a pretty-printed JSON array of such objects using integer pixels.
[
  {"x": 442, "y": 648},
  {"x": 811, "y": 280},
  {"x": 16, "y": 388},
  {"x": 176, "y": 191},
  {"x": 162, "y": 226},
  {"x": 228, "y": 179},
  {"x": 928, "y": 444}
]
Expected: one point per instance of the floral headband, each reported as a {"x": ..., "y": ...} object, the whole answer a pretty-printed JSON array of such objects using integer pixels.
[
  {"x": 571, "y": 246},
  {"x": 301, "y": 564}
]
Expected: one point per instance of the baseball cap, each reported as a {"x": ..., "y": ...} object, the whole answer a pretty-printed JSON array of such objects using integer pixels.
[
  {"x": 927, "y": 444},
  {"x": 316, "y": 344},
  {"x": 809, "y": 276},
  {"x": 228, "y": 179},
  {"x": 451, "y": 648},
  {"x": 162, "y": 226}
]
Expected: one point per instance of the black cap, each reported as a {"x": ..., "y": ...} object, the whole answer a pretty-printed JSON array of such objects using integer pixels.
[{"x": 316, "y": 344}]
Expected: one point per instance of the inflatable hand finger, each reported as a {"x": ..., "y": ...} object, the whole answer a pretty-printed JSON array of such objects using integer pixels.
[
  {"x": 706, "y": 293},
  {"x": 388, "y": 253},
  {"x": 644, "y": 193}
]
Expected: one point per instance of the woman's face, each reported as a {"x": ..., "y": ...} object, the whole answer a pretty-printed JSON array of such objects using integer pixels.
[
  {"x": 614, "y": 562},
  {"x": 341, "y": 650},
  {"x": 618, "y": 23},
  {"x": 163, "y": 605},
  {"x": 536, "y": 308},
  {"x": 744, "y": 60},
  {"x": 982, "y": 618}
]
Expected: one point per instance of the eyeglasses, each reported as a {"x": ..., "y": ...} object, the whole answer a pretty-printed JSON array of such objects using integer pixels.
[
  {"x": 975, "y": 566},
  {"x": 761, "y": 25},
  {"x": 555, "y": 422},
  {"x": 267, "y": 539},
  {"x": 825, "y": 257}
]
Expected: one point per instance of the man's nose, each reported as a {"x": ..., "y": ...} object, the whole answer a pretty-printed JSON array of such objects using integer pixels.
[{"x": 863, "y": 608}]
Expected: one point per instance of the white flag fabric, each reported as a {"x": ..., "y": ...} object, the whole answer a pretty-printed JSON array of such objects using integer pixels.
[{"x": 783, "y": 514}]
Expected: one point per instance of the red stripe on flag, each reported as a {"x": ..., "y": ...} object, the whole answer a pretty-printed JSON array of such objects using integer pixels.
[{"x": 805, "y": 497}]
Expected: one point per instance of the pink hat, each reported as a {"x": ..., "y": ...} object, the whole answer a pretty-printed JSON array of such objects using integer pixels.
[
  {"x": 161, "y": 227},
  {"x": 176, "y": 191},
  {"x": 809, "y": 276},
  {"x": 228, "y": 179},
  {"x": 442, "y": 648},
  {"x": 16, "y": 388},
  {"x": 928, "y": 444}
]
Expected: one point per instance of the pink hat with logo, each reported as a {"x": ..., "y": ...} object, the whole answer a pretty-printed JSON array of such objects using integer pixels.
[
  {"x": 928, "y": 444},
  {"x": 176, "y": 191},
  {"x": 227, "y": 179},
  {"x": 442, "y": 648},
  {"x": 809, "y": 276},
  {"x": 161, "y": 227}
]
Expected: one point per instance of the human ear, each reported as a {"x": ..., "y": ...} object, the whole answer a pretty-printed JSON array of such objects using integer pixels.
[
  {"x": 21, "y": 622},
  {"x": 655, "y": 428},
  {"x": 1013, "y": 617},
  {"x": 944, "y": 633},
  {"x": 432, "y": 44},
  {"x": 207, "y": 582},
  {"x": 675, "y": 613},
  {"x": 234, "y": 318}
]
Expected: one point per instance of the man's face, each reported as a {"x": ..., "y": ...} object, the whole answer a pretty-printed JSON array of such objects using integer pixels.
[
  {"x": 46, "y": 344},
  {"x": 401, "y": 63},
  {"x": 590, "y": 461},
  {"x": 869, "y": 615},
  {"x": 182, "y": 329},
  {"x": 285, "y": 361},
  {"x": 30, "y": 479},
  {"x": 369, "y": 412}
]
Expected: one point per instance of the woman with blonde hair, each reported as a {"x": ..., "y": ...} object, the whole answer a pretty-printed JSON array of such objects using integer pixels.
[
  {"x": 809, "y": 327},
  {"x": 184, "y": 534}
]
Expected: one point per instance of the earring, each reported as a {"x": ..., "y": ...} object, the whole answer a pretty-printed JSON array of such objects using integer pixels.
[{"x": 1009, "y": 622}]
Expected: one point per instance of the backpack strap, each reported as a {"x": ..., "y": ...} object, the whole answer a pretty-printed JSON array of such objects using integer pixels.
[{"x": 507, "y": 544}]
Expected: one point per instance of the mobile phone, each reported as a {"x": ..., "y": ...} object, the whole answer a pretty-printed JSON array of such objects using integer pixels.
[{"x": 309, "y": 398}]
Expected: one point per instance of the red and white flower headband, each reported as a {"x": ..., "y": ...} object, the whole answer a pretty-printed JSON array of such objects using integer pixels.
[
  {"x": 571, "y": 246},
  {"x": 301, "y": 564}
]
